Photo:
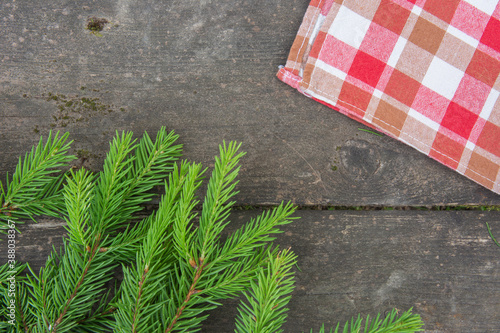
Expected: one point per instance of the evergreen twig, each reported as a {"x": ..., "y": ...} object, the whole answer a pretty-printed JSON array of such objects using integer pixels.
[
  {"x": 268, "y": 297},
  {"x": 175, "y": 266},
  {"x": 34, "y": 188},
  {"x": 394, "y": 322}
]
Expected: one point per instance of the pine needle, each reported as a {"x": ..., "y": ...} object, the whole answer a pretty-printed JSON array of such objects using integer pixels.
[{"x": 491, "y": 234}]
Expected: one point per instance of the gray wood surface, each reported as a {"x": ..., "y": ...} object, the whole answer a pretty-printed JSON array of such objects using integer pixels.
[
  {"x": 205, "y": 69},
  {"x": 443, "y": 264}
]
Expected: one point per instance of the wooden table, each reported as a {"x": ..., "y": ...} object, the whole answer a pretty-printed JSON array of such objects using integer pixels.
[{"x": 206, "y": 69}]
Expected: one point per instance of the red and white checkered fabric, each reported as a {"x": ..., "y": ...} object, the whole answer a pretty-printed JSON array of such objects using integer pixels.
[{"x": 423, "y": 71}]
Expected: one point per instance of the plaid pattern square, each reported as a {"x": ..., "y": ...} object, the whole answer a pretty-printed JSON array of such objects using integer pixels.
[
  {"x": 491, "y": 37},
  {"x": 443, "y": 9},
  {"x": 393, "y": 88},
  {"x": 426, "y": 35},
  {"x": 391, "y": 17},
  {"x": 484, "y": 68},
  {"x": 459, "y": 120},
  {"x": 423, "y": 71},
  {"x": 473, "y": 28},
  {"x": 366, "y": 68}
]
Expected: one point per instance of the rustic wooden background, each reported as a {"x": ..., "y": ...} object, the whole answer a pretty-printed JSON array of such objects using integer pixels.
[{"x": 206, "y": 69}]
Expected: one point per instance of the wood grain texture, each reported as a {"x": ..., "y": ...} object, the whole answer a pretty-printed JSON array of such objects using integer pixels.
[
  {"x": 205, "y": 69},
  {"x": 443, "y": 264}
]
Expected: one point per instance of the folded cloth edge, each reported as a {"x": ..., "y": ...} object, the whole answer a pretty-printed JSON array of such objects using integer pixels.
[{"x": 291, "y": 75}]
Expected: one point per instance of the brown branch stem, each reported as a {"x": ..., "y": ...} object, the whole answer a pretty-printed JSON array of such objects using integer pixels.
[
  {"x": 109, "y": 311},
  {"x": 192, "y": 291},
  {"x": 84, "y": 274},
  {"x": 141, "y": 284},
  {"x": 6, "y": 209},
  {"x": 23, "y": 318}
]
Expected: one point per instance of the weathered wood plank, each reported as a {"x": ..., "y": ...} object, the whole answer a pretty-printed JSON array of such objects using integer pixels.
[
  {"x": 207, "y": 70},
  {"x": 443, "y": 264}
]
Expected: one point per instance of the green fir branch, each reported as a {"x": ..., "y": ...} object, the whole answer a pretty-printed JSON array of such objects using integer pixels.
[
  {"x": 220, "y": 271},
  {"x": 182, "y": 226},
  {"x": 77, "y": 278},
  {"x": 255, "y": 233},
  {"x": 407, "y": 322},
  {"x": 111, "y": 186},
  {"x": 175, "y": 266},
  {"x": 78, "y": 195},
  {"x": 216, "y": 207},
  {"x": 35, "y": 185},
  {"x": 124, "y": 183},
  {"x": 194, "y": 248},
  {"x": 265, "y": 310},
  {"x": 14, "y": 313},
  {"x": 141, "y": 283},
  {"x": 153, "y": 162},
  {"x": 69, "y": 285}
]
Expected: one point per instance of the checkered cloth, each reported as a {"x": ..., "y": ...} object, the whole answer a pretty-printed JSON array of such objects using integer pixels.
[{"x": 423, "y": 71}]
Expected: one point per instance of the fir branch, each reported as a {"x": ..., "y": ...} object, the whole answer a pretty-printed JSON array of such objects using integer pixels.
[
  {"x": 182, "y": 235},
  {"x": 78, "y": 194},
  {"x": 173, "y": 272},
  {"x": 113, "y": 182},
  {"x": 226, "y": 280},
  {"x": 126, "y": 179},
  {"x": 194, "y": 249},
  {"x": 268, "y": 297},
  {"x": 216, "y": 275},
  {"x": 68, "y": 286},
  {"x": 36, "y": 167},
  {"x": 407, "y": 322},
  {"x": 153, "y": 161},
  {"x": 35, "y": 184},
  {"x": 255, "y": 233},
  {"x": 153, "y": 259},
  {"x": 192, "y": 291},
  {"x": 10, "y": 276},
  {"x": 78, "y": 277},
  {"x": 216, "y": 207}
]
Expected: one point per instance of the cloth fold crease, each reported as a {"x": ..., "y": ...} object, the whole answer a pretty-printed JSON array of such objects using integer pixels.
[{"x": 425, "y": 72}]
